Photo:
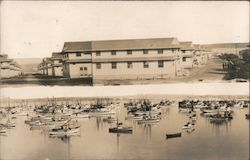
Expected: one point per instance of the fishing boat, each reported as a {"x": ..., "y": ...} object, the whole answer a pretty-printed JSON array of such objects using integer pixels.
[
  {"x": 120, "y": 128},
  {"x": 65, "y": 131},
  {"x": 102, "y": 112},
  {"x": 247, "y": 116},
  {"x": 149, "y": 120},
  {"x": 217, "y": 118},
  {"x": 109, "y": 119},
  {"x": 173, "y": 135},
  {"x": 9, "y": 124}
]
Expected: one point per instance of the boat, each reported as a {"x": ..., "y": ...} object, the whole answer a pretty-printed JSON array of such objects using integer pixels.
[
  {"x": 3, "y": 130},
  {"x": 101, "y": 112},
  {"x": 109, "y": 119},
  {"x": 149, "y": 120},
  {"x": 65, "y": 131},
  {"x": 188, "y": 126},
  {"x": 173, "y": 135},
  {"x": 120, "y": 128},
  {"x": 9, "y": 124},
  {"x": 247, "y": 116},
  {"x": 79, "y": 115},
  {"x": 217, "y": 118}
]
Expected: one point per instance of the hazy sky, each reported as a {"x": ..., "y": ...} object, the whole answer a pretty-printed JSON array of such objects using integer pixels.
[{"x": 35, "y": 29}]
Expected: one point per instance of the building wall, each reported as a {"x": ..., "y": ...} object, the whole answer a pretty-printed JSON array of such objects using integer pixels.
[
  {"x": 136, "y": 72},
  {"x": 5, "y": 73},
  {"x": 57, "y": 71},
  {"x": 49, "y": 71},
  {"x": 188, "y": 62},
  {"x": 78, "y": 70}
]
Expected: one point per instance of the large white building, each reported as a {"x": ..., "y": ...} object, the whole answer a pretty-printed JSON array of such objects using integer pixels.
[{"x": 123, "y": 59}]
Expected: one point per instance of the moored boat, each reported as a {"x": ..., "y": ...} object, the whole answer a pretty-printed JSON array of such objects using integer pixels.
[
  {"x": 65, "y": 131},
  {"x": 173, "y": 135},
  {"x": 120, "y": 128}
]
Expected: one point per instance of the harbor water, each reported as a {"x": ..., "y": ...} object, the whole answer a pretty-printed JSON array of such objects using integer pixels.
[{"x": 229, "y": 140}]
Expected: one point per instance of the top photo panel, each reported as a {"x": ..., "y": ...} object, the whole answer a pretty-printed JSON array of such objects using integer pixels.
[{"x": 80, "y": 43}]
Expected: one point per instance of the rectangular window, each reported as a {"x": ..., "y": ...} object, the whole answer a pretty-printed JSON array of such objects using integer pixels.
[
  {"x": 145, "y": 65},
  {"x": 98, "y": 66},
  {"x": 160, "y": 64},
  {"x": 129, "y": 52},
  {"x": 184, "y": 59},
  {"x": 113, "y": 53},
  {"x": 60, "y": 61},
  {"x": 85, "y": 68},
  {"x": 78, "y": 54},
  {"x": 98, "y": 53},
  {"x": 130, "y": 65},
  {"x": 114, "y": 65},
  {"x": 160, "y": 51},
  {"x": 145, "y": 51},
  {"x": 81, "y": 68}
]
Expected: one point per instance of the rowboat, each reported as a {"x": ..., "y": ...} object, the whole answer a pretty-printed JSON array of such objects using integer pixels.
[{"x": 173, "y": 135}]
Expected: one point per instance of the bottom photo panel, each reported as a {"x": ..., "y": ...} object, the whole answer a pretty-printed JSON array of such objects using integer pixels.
[{"x": 143, "y": 126}]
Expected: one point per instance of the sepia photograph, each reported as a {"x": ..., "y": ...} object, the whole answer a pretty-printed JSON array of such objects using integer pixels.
[{"x": 154, "y": 80}]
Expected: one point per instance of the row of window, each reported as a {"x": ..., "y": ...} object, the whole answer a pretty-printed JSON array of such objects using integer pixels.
[
  {"x": 130, "y": 65},
  {"x": 129, "y": 52}
]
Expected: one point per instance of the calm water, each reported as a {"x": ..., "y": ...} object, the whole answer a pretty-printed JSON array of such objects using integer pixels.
[{"x": 208, "y": 141}]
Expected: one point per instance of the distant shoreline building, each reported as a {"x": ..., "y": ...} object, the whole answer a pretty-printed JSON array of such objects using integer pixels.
[{"x": 156, "y": 58}]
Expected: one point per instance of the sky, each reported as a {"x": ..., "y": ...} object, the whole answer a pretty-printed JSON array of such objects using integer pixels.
[{"x": 35, "y": 29}]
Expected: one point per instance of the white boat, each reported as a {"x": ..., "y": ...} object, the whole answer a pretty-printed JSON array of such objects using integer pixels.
[
  {"x": 3, "y": 130},
  {"x": 149, "y": 120},
  {"x": 21, "y": 113},
  {"x": 102, "y": 113},
  {"x": 188, "y": 126},
  {"x": 80, "y": 116}
]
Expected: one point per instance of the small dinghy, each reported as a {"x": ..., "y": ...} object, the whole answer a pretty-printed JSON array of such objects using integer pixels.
[
  {"x": 188, "y": 126},
  {"x": 173, "y": 135}
]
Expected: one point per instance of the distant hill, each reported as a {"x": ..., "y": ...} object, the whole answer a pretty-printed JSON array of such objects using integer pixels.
[
  {"x": 226, "y": 45},
  {"x": 28, "y": 64}
]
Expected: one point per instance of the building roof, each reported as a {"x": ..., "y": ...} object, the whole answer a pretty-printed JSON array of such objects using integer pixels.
[
  {"x": 187, "y": 45},
  {"x": 133, "y": 44},
  {"x": 57, "y": 55}
]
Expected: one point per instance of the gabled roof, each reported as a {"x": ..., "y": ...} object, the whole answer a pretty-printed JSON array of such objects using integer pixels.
[
  {"x": 154, "y": 43},
  {"x": 187, "y": 45},
  {"x": 57, "y": 55}
]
